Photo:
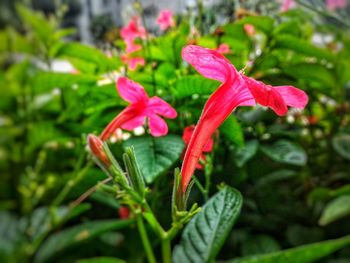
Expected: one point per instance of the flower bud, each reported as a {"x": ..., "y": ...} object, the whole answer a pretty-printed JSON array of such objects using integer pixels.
[{"x": 97, "y": 149}]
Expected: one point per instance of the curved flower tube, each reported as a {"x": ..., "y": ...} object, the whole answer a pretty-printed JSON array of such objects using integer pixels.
[
  {"x": 140, "y": 108},
  {"x": 231, "y": 93},
  {"x": 236, "y": 90},
  {"x": 208, "y": 147}
]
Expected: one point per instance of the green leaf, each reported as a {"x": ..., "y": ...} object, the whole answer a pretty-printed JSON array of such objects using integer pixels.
[
  {"x": 37, "y": 22},
  {"x": 284, "y": 151},
  {"x": 302, "y": 46},
  {"x": 263, "y": 23},
  {"x": 44, "y": 81},
  {"x": 311, "y": 73},
  {"x": 232, "y": 130},
  {"x": 86, "y": 53},
  {"x": 194, "y": 86},
  {"x": 205, "y": 234},
  {"x": 259, "y": 244},
  {"x": 302, "y": 254},
  {"x": 155, "y": 155},
  {"x": 76, "y": 234},
  {"x": 275, "y": 177},
  {"x": 341, "y": 144},
  {"x": 101, "y": 260},
  {"x": 336, "y": 209},
  {"x": 244, "y": 154}
]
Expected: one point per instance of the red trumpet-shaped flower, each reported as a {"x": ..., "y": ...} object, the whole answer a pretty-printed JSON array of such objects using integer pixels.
[
  {"x": 231, "y": 93},
  {"x": 235, "y": 90},
  {"x": 140, "y": 108}
]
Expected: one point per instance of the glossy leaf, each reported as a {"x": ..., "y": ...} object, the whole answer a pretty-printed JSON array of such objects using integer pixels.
[
  {"x": 204, "y": 236},
  {"x": 302, "y": 254},
  {"x": 284, "y": 151},
  {"x": 341, "y": 144},
  {"x": 336, "y": 209},
  {"x": 155, "y": 155},
  {"x": 244, "y": 154}
]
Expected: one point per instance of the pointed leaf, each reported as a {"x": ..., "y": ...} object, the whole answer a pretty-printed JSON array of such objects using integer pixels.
[
  {"x": 205, "y": 234},
  {"x": 336, "y": 209},
  {"x": 155, "y": 155},
  {"x": 341, "y": 144},
  {"x": 302, "y": 254}
]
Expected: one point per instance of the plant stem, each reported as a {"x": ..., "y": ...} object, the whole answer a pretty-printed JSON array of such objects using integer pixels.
[
  {"x": 145, "y": 241},
  {"x": 166, "y": 250}
]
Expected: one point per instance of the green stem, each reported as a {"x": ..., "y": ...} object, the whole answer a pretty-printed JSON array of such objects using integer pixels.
[
  {"x": 166, "y": 250},
  {"x": 145, "y": 240}
]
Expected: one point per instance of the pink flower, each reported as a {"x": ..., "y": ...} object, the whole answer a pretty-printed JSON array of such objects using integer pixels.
[
  {"x": 140, "y": 108},
  {"x": 133, "y": 30},
  {"x": 249, "y": 29},
  {"x": 131, "y": 46},
  {"x": 286, "y": 5},
  {"x": 334, "y": 4},
  {"x": 132, "y": 62},
  {"x": 231, "y": 93},
  {"x": 224, "y": 49},
  {"x": 208, "y": 147},
  {"x": 165, "y": 19},
  {"x": 235, "y": 90}
]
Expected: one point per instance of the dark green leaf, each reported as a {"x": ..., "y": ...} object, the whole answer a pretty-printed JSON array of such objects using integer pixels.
[
  {"x": 302, "y": 254},
  {"x": 155, "y": 155},
  {"x": 336, "y": 209},
  {"x": 101, "y": 260},
  {"x": 76, "y": 234},
  {"x": 232, "y": 130},
  {"x": 341, "y": 144},
  {"x": 259, "y": 244},
  {"x": 284, "y": 151},
  {"x": 242, "y": 155},
  {"x": 205, "y": 234}
]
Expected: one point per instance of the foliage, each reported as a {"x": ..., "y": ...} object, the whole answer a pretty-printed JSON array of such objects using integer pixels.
[{"x": 291, "y": 173}]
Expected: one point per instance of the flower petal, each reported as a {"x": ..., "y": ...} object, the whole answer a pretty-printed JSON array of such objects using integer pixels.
[
  {"x": 133, "y": 123},
  {"x": 131, "y": 91},
  {"x": 292, "y": 96},
  {"x": 266, "y": 95},
  {"x": 157, "y": 126},
  {"x": 159, "y": 106},
  {"x": 210, "y": 63}
]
